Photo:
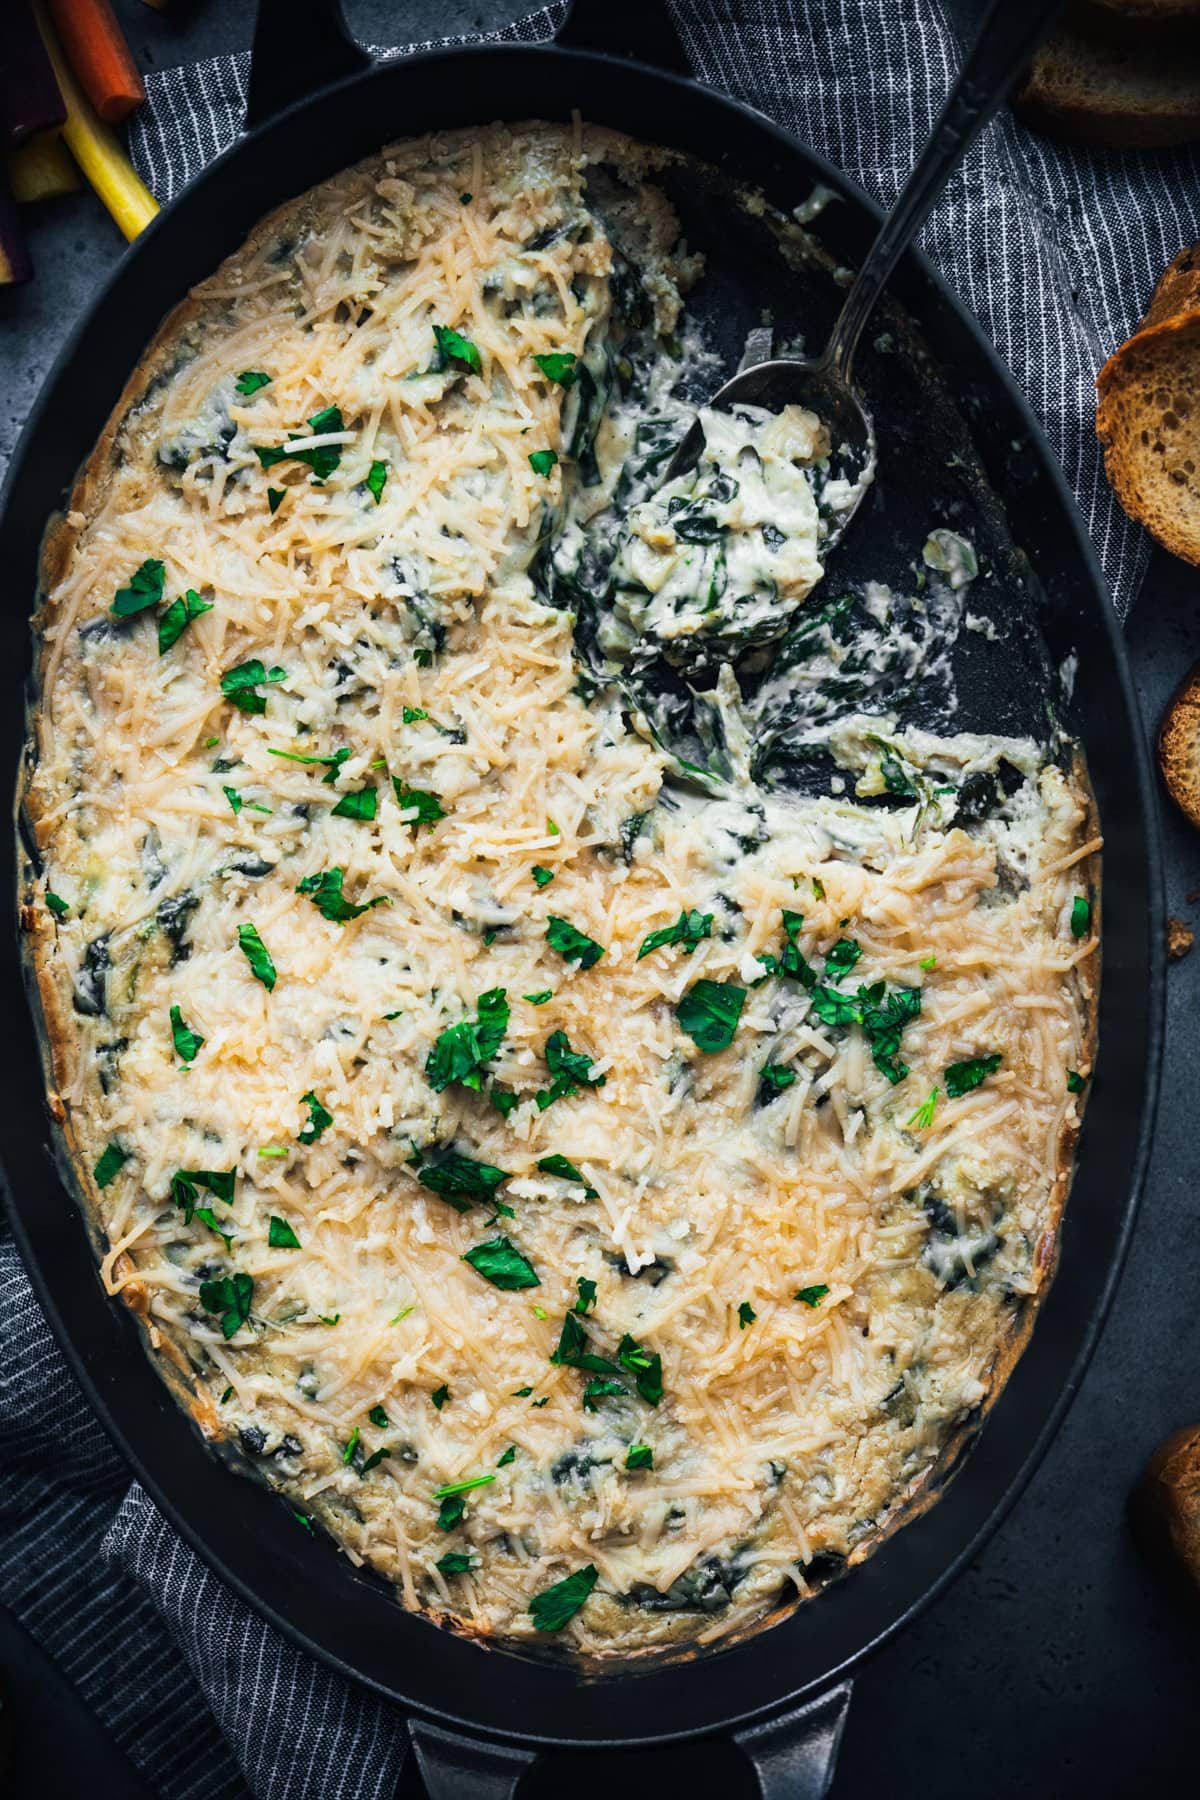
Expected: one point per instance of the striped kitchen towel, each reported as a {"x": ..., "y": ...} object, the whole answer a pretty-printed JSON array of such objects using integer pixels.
[{"x": 1055, "y": 251}]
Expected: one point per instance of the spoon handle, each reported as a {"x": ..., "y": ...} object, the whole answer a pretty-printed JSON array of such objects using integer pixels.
[{"x": 1007, "y": 38}]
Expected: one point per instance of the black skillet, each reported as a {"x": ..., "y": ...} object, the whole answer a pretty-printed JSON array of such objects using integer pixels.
[{"x": 964, "y": 449}]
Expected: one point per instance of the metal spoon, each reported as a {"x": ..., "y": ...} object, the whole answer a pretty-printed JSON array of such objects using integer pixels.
[{"x": 1006, "y": 40}]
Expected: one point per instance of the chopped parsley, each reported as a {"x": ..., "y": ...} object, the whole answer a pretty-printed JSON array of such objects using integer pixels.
[
  {"x": 227, "y": 1395},
  {"x": 280, "y": 1235},
  {"x": 373, "y": 1461},
  {"x": 439, "y": 1397},
  {"x": 322, "y": 459},
  {"x": 330, "y": 1318},
  {"x": 928, "y": 962},
  {"x": 571, "y": 944},
  {"x": 566, "y": 1171},
  {"x": 249, "y": 382},
  {"x": 455, "y": 1562},
  {"x": 429, "y": 808},
  {"x": 112, "y": 1160},
  {"x": 882, "y": 1017},
  {"x": 922, "y": 1119},
  {"x": 1081, "y": 914},
  {"x": 357, "y": 803},
  {"x": 961, "y": 1077},
  {"x": 261, "y": 966},
  {"x": 453, "y": 347},
  {"x": 376, "y": 478},
  {"x": 58, "y": 906},
  {"x": 229, "y": 1297},
  {"x": 275, "y": 498},
  {"x": 559, "y": 365},
  {"x": 556, "y": 1606},
  {"x": 510, "y": 1454},
  {"x": 303, "y": 1519},
  {"x": 319, "y": 1119},
  {"x": 325, "y": 892},
  {"x": 709, "y": 1012},
  {"x": 145, "y": 589},
  {"x": 461, "y": 1180},
  {"x": 462, "y": 1487},
  {"x": 639, "y": 1456},
  {"x": 542, "y": 461},
  {"x": 351, "y": 1446},
  {"x": 775, "y": 1078},
  {"x": 379, "y": 1417},
  {"x": 185, "y": 1191},
  {"x": 841, "y": 958},
  {"x": 542, "y": 876},
  {"x": 818, "y": 888},
  {"x": 587, "y": 1294},
  {"x": 187, "y": 1042},
  {"x": 413, "y": 715},
  {"x": 812, "y": 1296},
  {"x": 235, "y": 800},
  {"x": 571, "y": 1070},
  {"x": 572, "y": 1350},
  {"x": 645, "y": 1366},
  {"x": 178, "y": 616},
  {"x": 1075, "y": 1081},
  {"x": 460, "y": 1051},
  {"x": 600, "y": 1390},
  {"x": 501, "y": 1263},
  {"x": 689, "y": 929},
  {"x": 540, "y": 998},
  {"x": 746, "y": 1315},
  {"x": 241, "y": 684},
  {"x": 465, "y": 199},
  {"x": 332, "y": 762}
]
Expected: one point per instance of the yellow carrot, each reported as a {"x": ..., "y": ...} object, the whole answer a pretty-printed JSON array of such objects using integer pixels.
[
  {"x": 95, "y": 148},
  {"x": 41, "y": 169}
]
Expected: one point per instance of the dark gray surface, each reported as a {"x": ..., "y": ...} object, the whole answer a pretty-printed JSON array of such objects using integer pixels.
[{"x": 1058, "y": 1665}]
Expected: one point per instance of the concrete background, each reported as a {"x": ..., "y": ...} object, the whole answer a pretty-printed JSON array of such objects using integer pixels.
[{"x": 1058, "y": 1665}]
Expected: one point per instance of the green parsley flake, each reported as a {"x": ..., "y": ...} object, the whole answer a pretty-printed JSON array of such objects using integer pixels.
[
  {"x": 559, "y": 365},
  {"x": 325, "y": 892},
  {"x": 357, "y": 803},
  {"x": 178, "y": 616},
  {"x": 928, "y": 962},
  {"x": 571, "y": 1070},
  {"x": 961, "y": 1077},
  {"x": 542, "y": 876},
  {"x": 428, "y": 807},
  {"x": 261, "y": 966},
  {"x": 379, "y": 1417},
  {"x": 249, "y": 382},
  {"x": 332, "y": 763},
  {"x": 275, "y": 498},
  {"x": 709, "y": 1012},
  {"x": 812, "y": 1296},
  {"x": 501, "y": 1263},
  {"x": 227, "y": 1395},
  {"x": 841, "y": 958},
  {"x": 566, "y": 1171},
  {"x": 460, "y": 1051},
  {"x": 746, "y": 1315},
  {"x": 509, "y": 1456},
  {"x": 454, "y": 348},
  {"x": 600, "y": 1390},
  {"x": 280, "y": 1235},
  {"x": 462, "y": 1487},
  {"x": 1075, "y": 1081},
  {"x": 639, "y": 1456},
  {"x": 229, "y": 1297},
  {"x": 241, "y": 684},
  {"x": 439, "y": 1397},
  {"x": 413, "y": 715},
  {"x": 587, "y": 1294},
  {"x": 689, "y": 929},
  {"x": 645, "y": 1366},
  {"x": 145, "y": 589},
  {"x": 112, "y": 1161},
  {"x": 1081, "y": 914},
  {"x": 540, "y": 998},
  {"x": 235, "y": 799},
  {"x": 571, "y": 944},
  {"x": 455, "y": 1562},
  {"x": 319, "y": 1119},
  {"x": 461, "y": 1180},
  {"x": 881, "y": 1015},
  {"x": 322, "y": 459},
  {"x": 187, "y": 1042},
  {"x": 556, "y": 1606},
  {"x": 542, "y": 461},
  {"x": 775, "y": 1078},
  {"x": 922, "y": 1119},
  {"x": 352, "y": 1446},
  {"x": 376, "y": 478},
  {"x": 57, "y": 905}
]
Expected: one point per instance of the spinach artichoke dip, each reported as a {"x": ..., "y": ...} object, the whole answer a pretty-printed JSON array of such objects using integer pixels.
[{"x": 595, "y": 1184}]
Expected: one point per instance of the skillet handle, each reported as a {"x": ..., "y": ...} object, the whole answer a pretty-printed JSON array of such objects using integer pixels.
[
  {"x": 794, "y": 1756},
  {"x": 299, "y": 46},
  {"x": 462, "y": 1768},
  {"x": 599, "y": 25}
]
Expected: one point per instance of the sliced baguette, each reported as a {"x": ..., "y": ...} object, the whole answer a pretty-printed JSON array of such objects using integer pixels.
[
  {"x": 1148, "y": 420},
  {"x": 1177, "y": 289},
  {"x": 1179, "y": 746},
  {"x": 1113, "y": 84}
]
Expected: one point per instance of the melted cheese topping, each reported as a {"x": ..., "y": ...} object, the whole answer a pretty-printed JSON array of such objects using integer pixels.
[{"x": 828, "y": 1274}]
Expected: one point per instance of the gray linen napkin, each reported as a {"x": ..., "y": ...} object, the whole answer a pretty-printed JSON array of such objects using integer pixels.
[{"x": 1055, "y": 251}]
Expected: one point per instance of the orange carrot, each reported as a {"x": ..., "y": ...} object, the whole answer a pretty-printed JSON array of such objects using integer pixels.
[{"x": 97, "y": 51}]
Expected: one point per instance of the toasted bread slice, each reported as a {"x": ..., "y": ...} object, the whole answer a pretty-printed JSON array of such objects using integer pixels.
[
  {"x": 1165, "y": 1505},
  {"x": 1179, "y": 746},
  {"x": 1148, "y": 420},
  {"x": 1178, "y": 287},
  {"x": 1113, "y": 84}
]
